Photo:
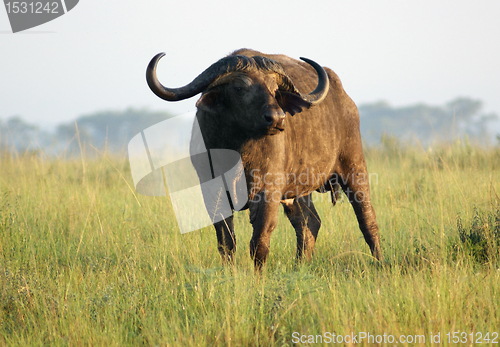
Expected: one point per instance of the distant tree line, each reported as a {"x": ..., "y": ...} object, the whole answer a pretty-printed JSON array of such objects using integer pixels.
[
  {"x": 112, "y": 130},
  {"x": 109, "y": 130},
  {"x": 103, "y": 130},
  {"x": 424, "y": 123}
]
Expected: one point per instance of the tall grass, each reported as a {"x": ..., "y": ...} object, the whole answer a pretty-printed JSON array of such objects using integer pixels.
[{"x": 84, "y": 260}]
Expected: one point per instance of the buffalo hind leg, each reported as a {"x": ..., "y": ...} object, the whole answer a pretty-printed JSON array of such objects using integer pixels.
[
  {"x": 357, "y": 188},
  {"x": 306, "y": 222},
  {"x": 226, "y": 240}
]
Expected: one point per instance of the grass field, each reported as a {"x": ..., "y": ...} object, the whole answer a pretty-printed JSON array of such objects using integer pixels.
[{"x": 86, "y": 261}]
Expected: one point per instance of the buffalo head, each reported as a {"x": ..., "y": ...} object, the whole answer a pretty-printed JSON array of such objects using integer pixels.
[{"x": 251, "y": 93}]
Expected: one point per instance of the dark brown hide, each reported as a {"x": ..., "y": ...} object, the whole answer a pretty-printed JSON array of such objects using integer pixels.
[{"x": 289, "y": 149}]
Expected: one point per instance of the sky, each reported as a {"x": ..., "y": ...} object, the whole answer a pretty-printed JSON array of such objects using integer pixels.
[{"x": 94, "y": 57}]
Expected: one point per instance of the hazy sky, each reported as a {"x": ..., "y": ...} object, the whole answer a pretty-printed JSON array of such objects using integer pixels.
[{"x": 94, "y": 57}]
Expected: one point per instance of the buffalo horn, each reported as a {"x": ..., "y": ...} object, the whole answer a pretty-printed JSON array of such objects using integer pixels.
[{"x": 230, "y": 64}]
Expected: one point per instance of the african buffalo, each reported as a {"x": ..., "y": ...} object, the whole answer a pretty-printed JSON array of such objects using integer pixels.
[{"x": 291, "y": 144}]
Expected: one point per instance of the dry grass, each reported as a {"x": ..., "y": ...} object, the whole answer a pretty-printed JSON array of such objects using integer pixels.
[{"x": 84, "y": 261}]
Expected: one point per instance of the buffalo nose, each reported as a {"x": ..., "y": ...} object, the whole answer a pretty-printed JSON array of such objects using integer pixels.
[
  {"x": 268, "y": 118},
  {"x": 273, "y": 117}
]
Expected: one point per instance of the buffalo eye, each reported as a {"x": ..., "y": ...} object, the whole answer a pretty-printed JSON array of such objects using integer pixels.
[{"x": 238, "y": 89}]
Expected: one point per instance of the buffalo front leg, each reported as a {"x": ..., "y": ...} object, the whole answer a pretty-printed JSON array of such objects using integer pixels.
[
  {"x": 226, "y": 240},
  {"x": 306, "y": 222},
  {"x": 357, "y": 188},
  {"x": 264, "y": 217}
]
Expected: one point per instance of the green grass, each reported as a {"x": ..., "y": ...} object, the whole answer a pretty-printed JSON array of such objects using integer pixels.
[{"x": 84, "y": 260}]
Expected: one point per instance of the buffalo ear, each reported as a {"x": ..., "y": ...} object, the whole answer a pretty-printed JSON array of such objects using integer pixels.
[
  {"x": 209, "y": 101},
  {"x": 291, "y": 102}
]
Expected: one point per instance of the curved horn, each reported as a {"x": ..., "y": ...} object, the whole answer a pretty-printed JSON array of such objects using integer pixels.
[
  {"x": 318, "y": 94},
  {"x": 200, "y": 83},
  {"x": 285, "y": 82}
]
